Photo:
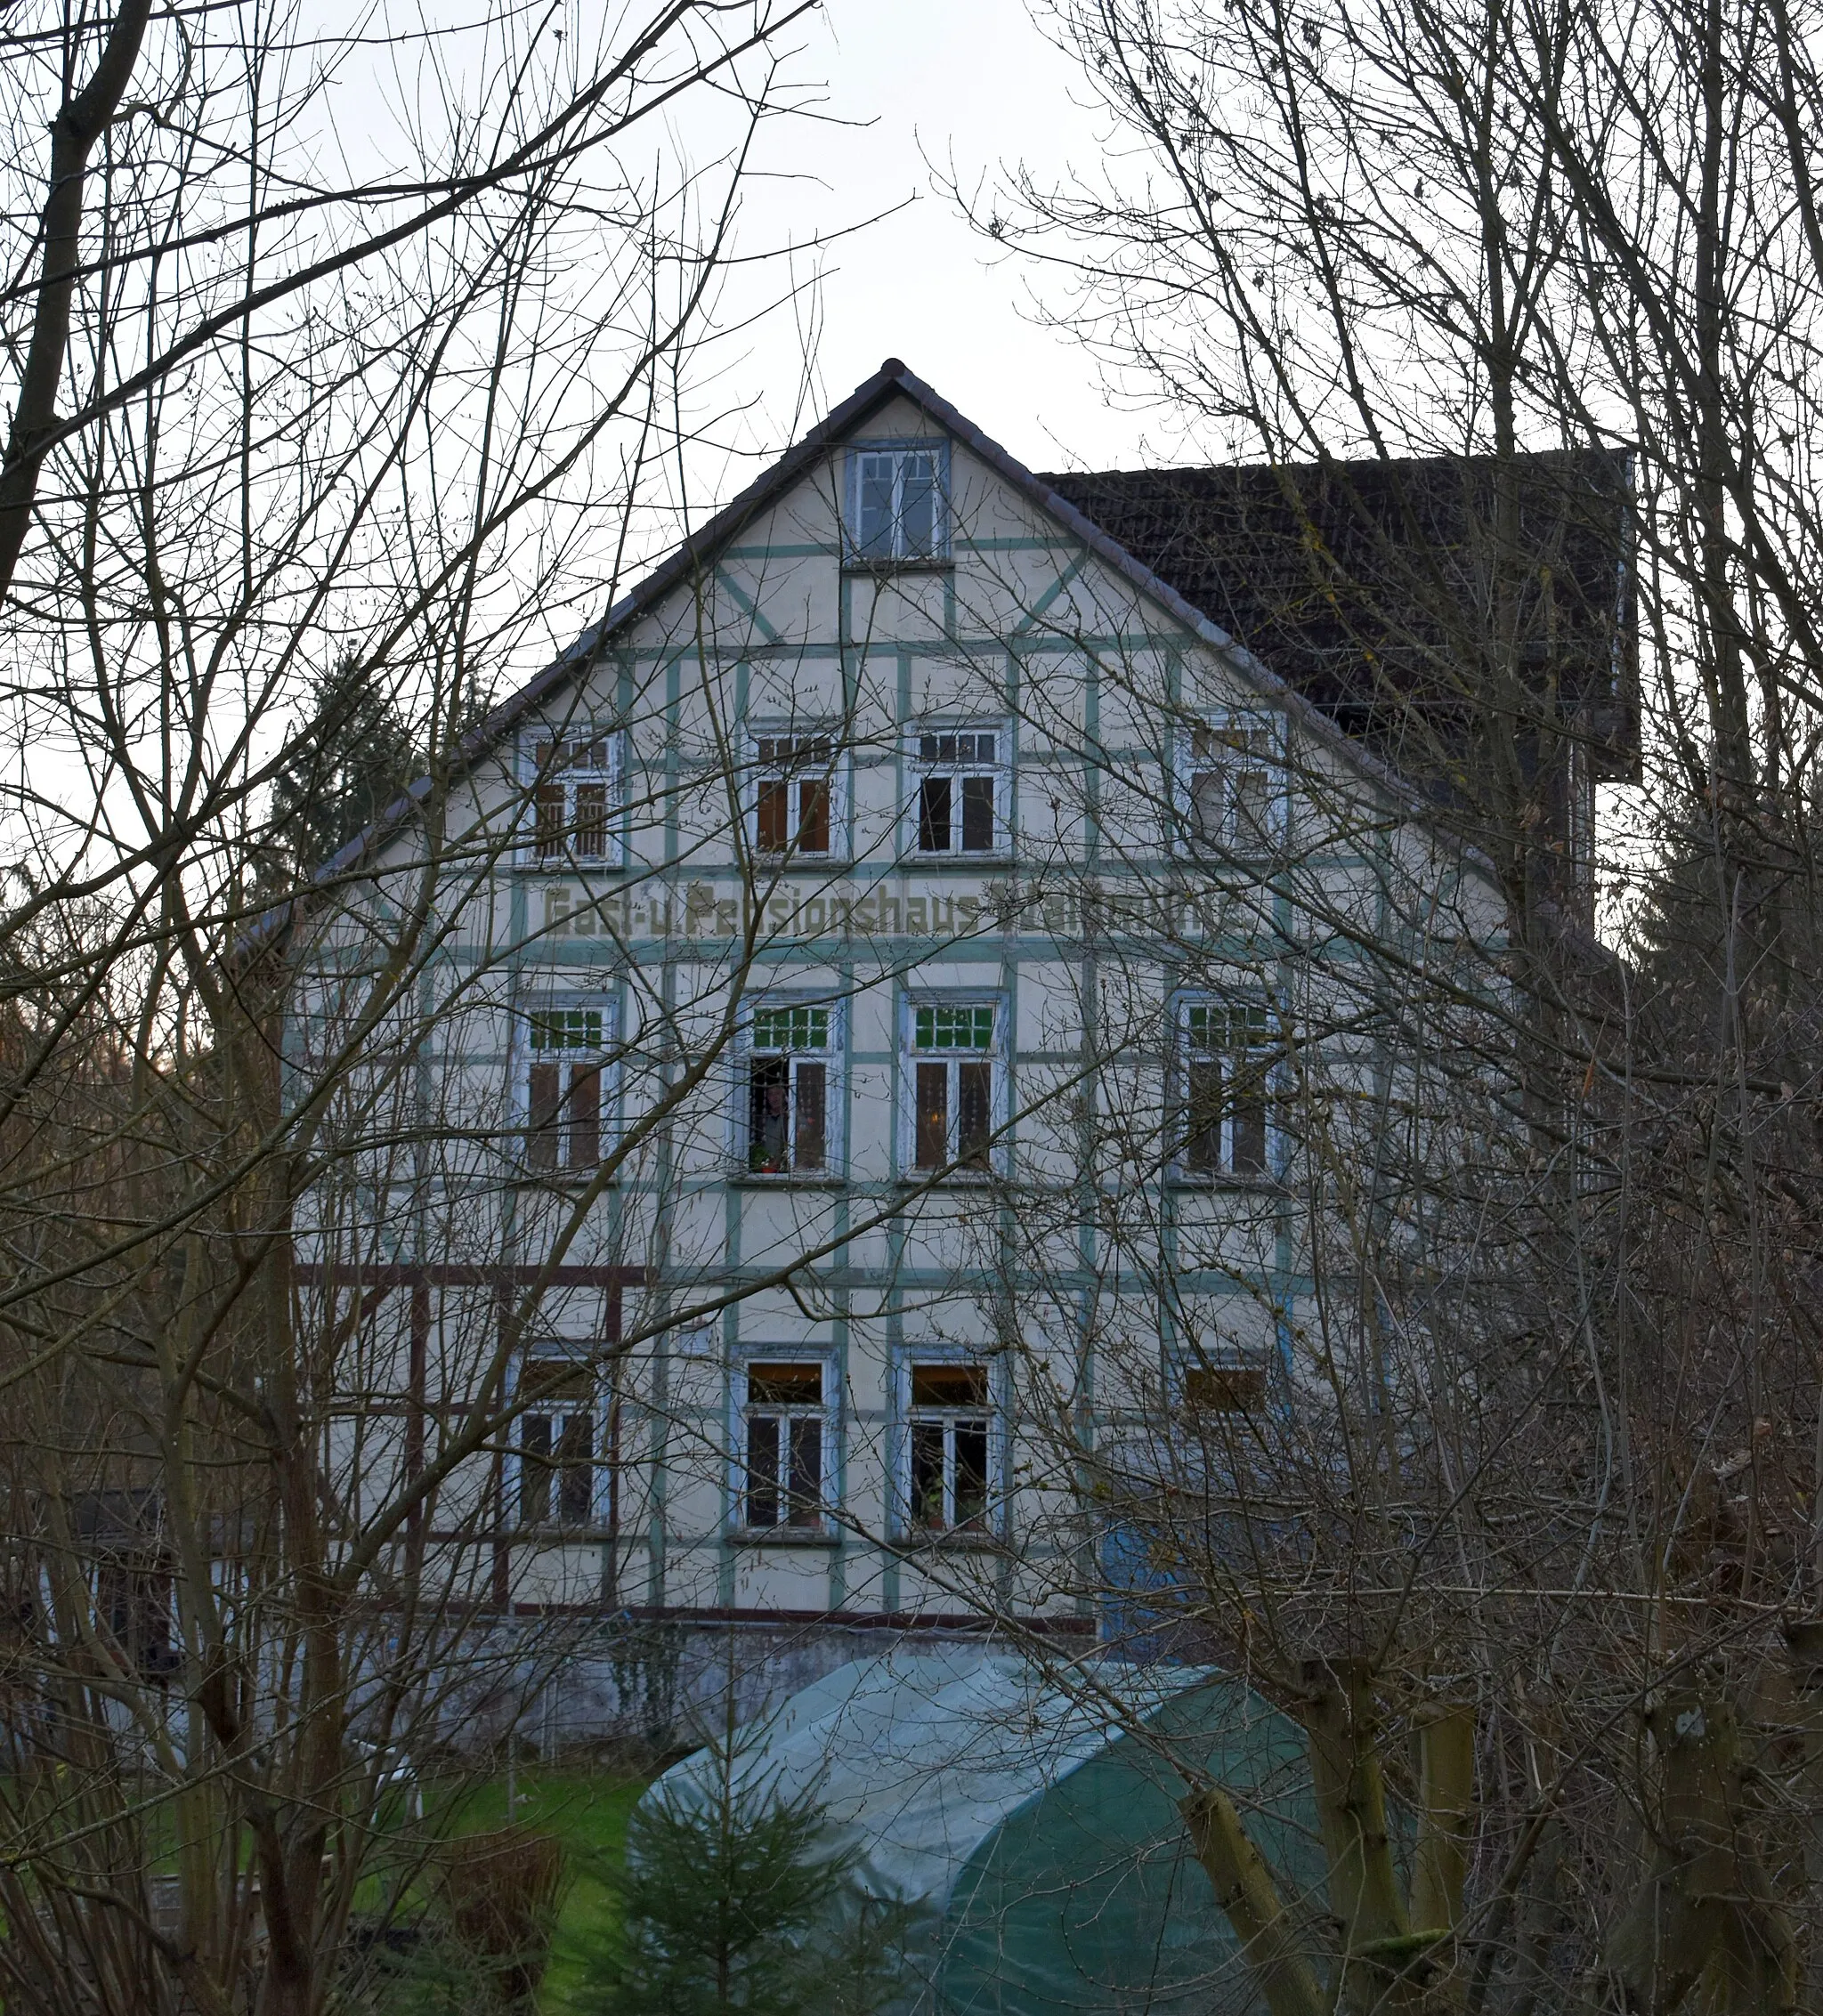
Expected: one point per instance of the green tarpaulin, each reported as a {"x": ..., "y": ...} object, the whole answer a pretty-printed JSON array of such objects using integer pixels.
[{"x": 1031, "y": 1830}]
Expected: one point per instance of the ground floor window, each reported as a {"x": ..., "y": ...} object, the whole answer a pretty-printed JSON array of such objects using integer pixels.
[
  {"x": 784, "y": 1420},
  {"x": 948, "y": 1449},
  {"x": 133, "y": 1602},
  {"x": 559, "y": 1447}
]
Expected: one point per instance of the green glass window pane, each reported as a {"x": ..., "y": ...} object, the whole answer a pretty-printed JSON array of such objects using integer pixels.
[
  {"x": 954, "y": 1028},
  {"x": 791, "y": 1029},
  {"x": 567, "y": 1029},
  {"x": 1212, "y": 1026}
]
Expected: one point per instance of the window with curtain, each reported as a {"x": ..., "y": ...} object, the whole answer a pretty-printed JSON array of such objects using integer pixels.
[
  {"x": 793, "y": 795},
  {"x": 789, "y": 1072},
  {"x": 566, "y": 1047},
  {"x": 575, "y": 801},
  {"x": 1228, "y": 784},
  {"x": 898, "y": 502},
  {"x": 954, "y": 1067}
]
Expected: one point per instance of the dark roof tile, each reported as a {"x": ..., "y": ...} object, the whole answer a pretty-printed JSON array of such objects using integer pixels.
[{"x": 1370, "y": 589}]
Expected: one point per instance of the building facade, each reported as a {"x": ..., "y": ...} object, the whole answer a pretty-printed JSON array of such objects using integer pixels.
[{"x": 891, "y": 1005}]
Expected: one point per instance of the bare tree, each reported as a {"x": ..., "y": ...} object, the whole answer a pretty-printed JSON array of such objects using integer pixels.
[
  {"x": 279, "y": 434},
  {"x": 1544, "y": 1466}
]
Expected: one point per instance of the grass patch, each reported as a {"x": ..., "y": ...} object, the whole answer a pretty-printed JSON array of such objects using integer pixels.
[{"x": 589, "y": 1813}]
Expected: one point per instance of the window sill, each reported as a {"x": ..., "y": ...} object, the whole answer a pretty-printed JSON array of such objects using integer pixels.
[
  {"x": 560, "y": 1180},
  {"x": 957, "y": 1180},
  {"x": 948, "y": 1543},
  {"x": 606, "y": 866},
  {"x": 859, "y": 563},
  {"x": 781, "y": 1536},
  {"x": 764, "y": 1179},
  {"x": 1224, "y": 1179},
  {"x": 1227, "y": 854}
]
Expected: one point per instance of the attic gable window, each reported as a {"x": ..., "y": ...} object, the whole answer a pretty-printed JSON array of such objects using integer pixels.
[
  {"x": 575, "y": 790},
  {"x": 898, "y": 503}
]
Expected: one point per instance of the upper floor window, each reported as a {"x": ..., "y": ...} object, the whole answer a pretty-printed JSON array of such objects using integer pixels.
[
  {"x": 956, "y": 1084},
  {"x": 948, "y": 1444},
  {"x": 783, "y": 1418},
  {"x": 1225, "y": 1066},
  {"x": 791, "y": 1056},
  {"x": 1228, "y": 783},
  {"x": 961, "y": 804},
  {"x": 793, "y": 794},
  {"x": 898, "y": 501},
  {"x": 575, "y": 801},
  {"x": 560, "y": 1445},
  {"x": 565, "y": 1048}
]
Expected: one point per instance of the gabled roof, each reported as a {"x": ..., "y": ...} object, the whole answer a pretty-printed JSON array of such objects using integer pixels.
[
  {"x": 698, "y": 551},
  {"x": 1369, "y": 584}
]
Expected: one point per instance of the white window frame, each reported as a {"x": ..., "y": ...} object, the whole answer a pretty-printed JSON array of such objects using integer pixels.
[
  {"x": 833, "y": 1056},
  {"x": 1191, "y": 1046},
  {"x": 764, "y": 768},
  {"x": 996, "y": 1055},
  {"x": 743, "y": 1410},
  {"x": 603, "y": 766},
  {"x": 908, "y": 1414},
  {"x": 862, "y": 467},
  {"x": 920, "y": 766},
  {"x": 1259, "y": 740},
  {"x": 537, "y": 1364},
  {"x": 527, "y": 1052}
]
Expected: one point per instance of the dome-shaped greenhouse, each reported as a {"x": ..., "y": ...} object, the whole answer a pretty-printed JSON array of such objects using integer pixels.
[{"x": 1030, "y": 1832}]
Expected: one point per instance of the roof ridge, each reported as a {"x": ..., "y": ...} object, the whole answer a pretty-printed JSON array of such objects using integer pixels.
[{"x": 696, "y": 549}]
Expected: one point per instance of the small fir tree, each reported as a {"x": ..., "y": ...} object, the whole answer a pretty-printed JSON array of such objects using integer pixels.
[{"x": 738, "y": 1903}]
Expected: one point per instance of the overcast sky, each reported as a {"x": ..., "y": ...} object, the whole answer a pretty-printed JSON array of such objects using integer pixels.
[{"x": 972, "y": 81}]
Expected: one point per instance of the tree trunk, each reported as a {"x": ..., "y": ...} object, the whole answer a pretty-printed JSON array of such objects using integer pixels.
[
  {"x": 74, "y": 132},
  {"x": 1704, "y": 1909},
  {"x": 1270, "y": 1942}
]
